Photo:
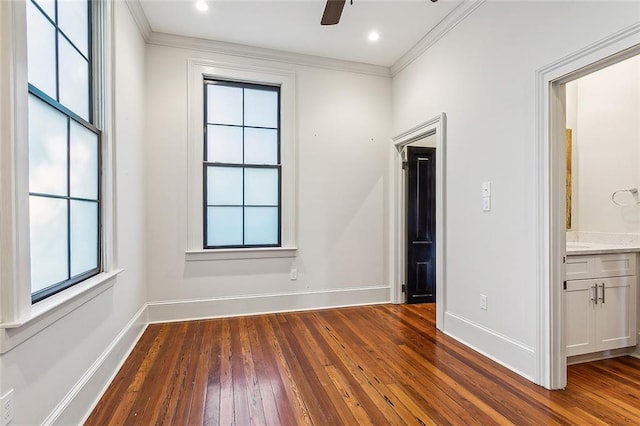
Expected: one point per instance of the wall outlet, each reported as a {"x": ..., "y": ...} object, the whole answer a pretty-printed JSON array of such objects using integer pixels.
[
  {"x": 294, "y": 274},
  {"x": 483, "y": 302},
  {"x": 7, "y": 408}
]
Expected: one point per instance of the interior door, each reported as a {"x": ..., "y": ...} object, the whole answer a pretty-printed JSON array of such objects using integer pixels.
[{"x": 421, "y": 225}]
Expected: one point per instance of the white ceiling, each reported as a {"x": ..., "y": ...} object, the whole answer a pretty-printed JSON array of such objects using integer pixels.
[{"x": 294, "y": 25}]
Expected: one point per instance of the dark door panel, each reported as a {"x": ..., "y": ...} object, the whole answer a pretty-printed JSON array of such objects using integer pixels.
[{"x": 421, "y": 225}]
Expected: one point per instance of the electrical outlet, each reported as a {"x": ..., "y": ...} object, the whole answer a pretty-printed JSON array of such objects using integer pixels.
[
  {"x": 7, "y": 408},
  {"x": 483, "y": 302},
  {"x": 294, "y": 274}
]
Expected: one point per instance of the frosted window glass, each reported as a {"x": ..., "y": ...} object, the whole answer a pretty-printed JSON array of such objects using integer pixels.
[
  {"x": 47, "y": 149},
  {"x": 84, "y": 162},
  {"x": 260, "y": 146},
  {"x": 224, "y": 144},
  {"x": 49, "y": 8},
  {"x": 73, "y": 20},
  {"x": 260, "y": 225},
  {"x": 84, "y": 236},
  {"x": 224, "y": 186},
  {"x": 74, "y": 79},
  {"x": 224, "y": 104},
  {"x": 261, "y": 187},
  {"x": 260, "y": 108},
  {"x": 41, "y": 51},
  {"x": 48, "y": 220},
  {"x": 224, "y": 226}
]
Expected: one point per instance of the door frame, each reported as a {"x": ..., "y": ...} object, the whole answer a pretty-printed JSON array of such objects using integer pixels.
[
  {"x": 549, "y": 176},
  {"x": 434, "y": 126}
]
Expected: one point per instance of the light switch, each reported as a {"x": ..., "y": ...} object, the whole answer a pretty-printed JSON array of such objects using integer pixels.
[
  {"x": 486, "y": 189},
  {"x": 486, "y": 204}
]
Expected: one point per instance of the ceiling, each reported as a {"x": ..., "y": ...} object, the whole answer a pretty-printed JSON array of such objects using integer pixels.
[{"x": 294, "y": 25}]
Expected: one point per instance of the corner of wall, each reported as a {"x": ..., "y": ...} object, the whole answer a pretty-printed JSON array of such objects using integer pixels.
[{"x": 80, "y": 401}]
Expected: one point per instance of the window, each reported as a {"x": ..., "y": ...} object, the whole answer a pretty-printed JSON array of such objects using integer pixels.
[
  {"x": 64, "y": 147},
  {"x": 241, "y": 171},
  {"x": 241, "y": 165}
]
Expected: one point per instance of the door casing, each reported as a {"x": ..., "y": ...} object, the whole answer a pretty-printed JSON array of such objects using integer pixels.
[
  {"x": 549, "y": 177},
  {"x": 434, "y": 126}
]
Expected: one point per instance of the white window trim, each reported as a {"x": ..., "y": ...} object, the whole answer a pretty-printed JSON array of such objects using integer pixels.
[
  {"x": 19, "y": 318},
  {"x": 199, "y": 69}
]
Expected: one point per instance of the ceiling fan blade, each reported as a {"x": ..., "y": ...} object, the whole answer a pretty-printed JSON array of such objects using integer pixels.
[{"x": 332, "y": 12}]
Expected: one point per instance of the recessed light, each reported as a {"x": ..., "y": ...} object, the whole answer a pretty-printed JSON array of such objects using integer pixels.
[
  {"x": 373, "y": 36},
  {"x": 202, "y": 6}
]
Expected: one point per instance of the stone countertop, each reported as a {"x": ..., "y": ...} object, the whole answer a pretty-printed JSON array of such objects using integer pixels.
[{"x": 582, "y": 248}]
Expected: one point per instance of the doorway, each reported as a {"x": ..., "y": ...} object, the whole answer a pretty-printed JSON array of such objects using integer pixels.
[
  {"x": 435, "y": 129},
  {"x": 421, "y": 224},
  {"x": 550, "y": 178},
  {"x": 602, "y": 152}
]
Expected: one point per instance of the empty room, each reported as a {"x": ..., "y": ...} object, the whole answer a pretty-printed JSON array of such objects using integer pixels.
[{"x": 319, "y": 212}]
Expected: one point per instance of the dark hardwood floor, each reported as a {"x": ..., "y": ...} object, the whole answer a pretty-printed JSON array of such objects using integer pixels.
[{"x": 383, "y": 364}]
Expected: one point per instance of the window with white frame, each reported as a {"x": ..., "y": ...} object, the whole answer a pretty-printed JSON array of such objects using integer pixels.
[
  {"x": 241, "y": 174},
  {"x": 241, "y": 165},
  {"x": 64, "y": 147}
]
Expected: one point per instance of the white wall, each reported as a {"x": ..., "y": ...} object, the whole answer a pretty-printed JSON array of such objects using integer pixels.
[
  {"x": 45, "y": 368},
  {"x": 607, "y": 143},
  {"x": 343, "y": 121},
  {"x": 481, "y": 74}
]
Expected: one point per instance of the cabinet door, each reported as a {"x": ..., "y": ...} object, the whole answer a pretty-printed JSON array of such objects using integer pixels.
[
  {"x": 579, "y": 316},
  {"x": 615, "y": 313}
]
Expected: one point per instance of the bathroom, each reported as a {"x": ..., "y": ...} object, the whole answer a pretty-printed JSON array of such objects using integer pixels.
[{"x": 603, "y": 213}]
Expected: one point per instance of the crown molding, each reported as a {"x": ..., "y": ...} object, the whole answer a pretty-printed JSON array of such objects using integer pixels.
[
  {"x": 443, "y": 27},
  {"x": 244, "y": 51},
  {"x": 140, "y": 18},
  {"x": 449, "y": 22}
]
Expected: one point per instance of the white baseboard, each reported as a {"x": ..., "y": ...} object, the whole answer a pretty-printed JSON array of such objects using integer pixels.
[
  {"x": 76, "y": 406},
  {"x": 512, "y": 354},
  {"x": 194, "y": 309}
]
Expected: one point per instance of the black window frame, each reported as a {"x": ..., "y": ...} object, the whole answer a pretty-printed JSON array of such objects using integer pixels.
[
  {"x": 243, "y": 165},
  {"x": 88, "y": 124}
]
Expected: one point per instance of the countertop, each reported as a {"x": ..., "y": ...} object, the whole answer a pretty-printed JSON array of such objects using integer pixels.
[{"x": 582, "y": 247}]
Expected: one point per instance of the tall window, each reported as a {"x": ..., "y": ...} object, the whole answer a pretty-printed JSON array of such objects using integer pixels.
[
  {"x": 242, "y": 170},
  {"x": 64, "y": 147}
]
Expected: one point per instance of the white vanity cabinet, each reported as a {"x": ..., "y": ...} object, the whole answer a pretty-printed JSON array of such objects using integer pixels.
[{"x": 600, "y": 302}]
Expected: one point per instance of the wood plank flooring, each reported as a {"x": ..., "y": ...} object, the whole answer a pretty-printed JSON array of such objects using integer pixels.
[{"x": 383, "y": 364}]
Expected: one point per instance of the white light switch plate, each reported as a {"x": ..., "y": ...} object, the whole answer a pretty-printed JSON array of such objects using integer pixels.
[
  {"x": 486, "y": 189},
  {"x": 486, "y": 204}
]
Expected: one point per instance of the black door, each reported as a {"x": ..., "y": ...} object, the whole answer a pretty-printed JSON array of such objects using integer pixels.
[{"x": 421, "y": 225}]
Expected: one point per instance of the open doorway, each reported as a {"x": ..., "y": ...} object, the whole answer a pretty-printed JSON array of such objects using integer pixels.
[
  {"x": 426, "y": 140},
  {"x": 551, "y": 166},
  {"x": 603, "y": 212}
]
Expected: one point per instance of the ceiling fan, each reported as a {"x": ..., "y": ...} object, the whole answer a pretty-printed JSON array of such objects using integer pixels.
[{"x": 333, "y": 11}]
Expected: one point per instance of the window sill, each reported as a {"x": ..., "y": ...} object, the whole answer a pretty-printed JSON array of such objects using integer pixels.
[
  {"x": 241, "y": 253},
  {"x": 50, "y": 310}
]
